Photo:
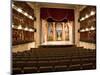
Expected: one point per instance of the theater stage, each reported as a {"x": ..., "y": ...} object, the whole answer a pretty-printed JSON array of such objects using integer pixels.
[{"x": 57, "y": 44}]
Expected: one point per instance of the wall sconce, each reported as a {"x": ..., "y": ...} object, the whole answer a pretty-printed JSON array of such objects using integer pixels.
[
  {"x": 92, "y": 28},
  {"x": 19, "y": 27},
  {"x": 86, "y": 29},
  {"x": 22, "y": 12},
  {"x": 26, "y": 29},
  {"x": 82, "y": 30},
  {"x": 19, "y": 10},
  {"x": 92, "y": 13},
  {"x": 87, "y": 16},
  {"x": 12, "y": 26}
]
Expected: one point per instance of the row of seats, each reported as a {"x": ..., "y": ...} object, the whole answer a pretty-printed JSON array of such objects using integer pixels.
[
  {"x": 53, "y": 59},
  {"x": 36, "y": 52}
]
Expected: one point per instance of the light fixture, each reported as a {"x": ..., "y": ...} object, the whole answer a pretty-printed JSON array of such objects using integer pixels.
[
  {"x": 31, "y": 30},
  {"x": 82, "y": 19},
  {"x": 30, "y": 17},
  {"x": 82, "y": 30},
  {"x": 92, "y": 28},
  {"x": 25, "y": 14},
  {"x": 12, "y": 5},
  {"x": 19, "y": 10},
  {"x": 26, "y": 29},
  {"x": 86, "y": 29},
  {"x": 86, "y": 16},
  {"x": 22, "y": 12},
  {"x": 12, "y": 26},
  {"x": 19, "y": 27},
  {"x": 92, "y": 13}
]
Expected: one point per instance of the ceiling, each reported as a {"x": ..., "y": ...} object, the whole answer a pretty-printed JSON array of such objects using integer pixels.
[{"x": 57, "y": 5}]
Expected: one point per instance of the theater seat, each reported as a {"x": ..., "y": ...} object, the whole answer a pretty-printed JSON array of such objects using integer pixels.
[
  {"x": 75, "y": 67},
  {"x": 43, "y": 63},
  {"x": 18, "y": 64},
  {"x": 54, "y": 59},
  {"x": 87, "y": 66},
  {"x": 45, "y": 69},
  {"x": 75, "y": 64},
  {"x": 61, "y": 68},
  {"x": 17, "y": 70},
  {"x": 30, "y": 70}
]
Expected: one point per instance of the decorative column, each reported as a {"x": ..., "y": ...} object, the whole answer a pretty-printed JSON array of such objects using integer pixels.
[
  {"x": 63, "y": 32},
  {"x": 46, "y": 31},
  {"x": 70, "y": 25},
  {"x": 37, "y": 25},
  {"x": 77, "y": 27},
  {"x": 43, "y": 31},
  {"x": 54, "y": 32}
]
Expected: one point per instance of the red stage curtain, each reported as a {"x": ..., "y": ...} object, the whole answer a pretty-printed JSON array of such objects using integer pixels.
[{"x": 57, "y": 14}]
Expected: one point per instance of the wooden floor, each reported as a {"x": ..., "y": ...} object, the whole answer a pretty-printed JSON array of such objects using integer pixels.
[{"x": 48, "y": 59}]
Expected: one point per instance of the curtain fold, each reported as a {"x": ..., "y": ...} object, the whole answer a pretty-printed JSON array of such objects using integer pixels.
[{"x": 57, "y": 14}]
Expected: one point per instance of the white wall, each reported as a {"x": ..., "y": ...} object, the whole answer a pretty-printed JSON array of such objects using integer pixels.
[
  {"x": 23, "y": 47},
  {"x": 87, "y": 45}
]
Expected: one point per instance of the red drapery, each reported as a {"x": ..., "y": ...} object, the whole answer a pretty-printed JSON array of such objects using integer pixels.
[{"x": 57, "y": 14}]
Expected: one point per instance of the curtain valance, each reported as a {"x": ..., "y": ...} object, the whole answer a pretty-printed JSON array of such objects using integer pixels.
[{"x": 57, "y": 14}]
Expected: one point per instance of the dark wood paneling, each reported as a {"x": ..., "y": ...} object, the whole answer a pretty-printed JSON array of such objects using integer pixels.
[
  {"x": 88, "y": 36},
  {"x": 21, "y": 36}
]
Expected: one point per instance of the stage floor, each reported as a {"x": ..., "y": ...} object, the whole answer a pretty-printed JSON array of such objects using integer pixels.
[{"x": 58, "y": 43}]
